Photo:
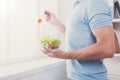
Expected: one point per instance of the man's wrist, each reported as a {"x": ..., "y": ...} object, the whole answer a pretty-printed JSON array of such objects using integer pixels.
[{"x": 67, "y": 55}]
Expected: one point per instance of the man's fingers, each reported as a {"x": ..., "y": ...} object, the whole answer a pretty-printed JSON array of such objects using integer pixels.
[
  {"x": 47, "y": 12},
  {"x": 51, "y": 53},
  {"x": 47, "y": 51}
]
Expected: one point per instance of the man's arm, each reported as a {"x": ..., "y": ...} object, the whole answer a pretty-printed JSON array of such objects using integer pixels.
[
  {"x": 60, "y": 28},
  {"x": 103, "y": 48},
  {"x": 52, "y": 19}
]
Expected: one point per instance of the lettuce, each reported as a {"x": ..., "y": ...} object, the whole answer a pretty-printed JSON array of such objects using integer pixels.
[{"x": 49, "y": 43}]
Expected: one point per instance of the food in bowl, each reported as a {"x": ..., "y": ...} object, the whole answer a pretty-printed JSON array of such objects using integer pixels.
[{"x": 49, "y": 43}]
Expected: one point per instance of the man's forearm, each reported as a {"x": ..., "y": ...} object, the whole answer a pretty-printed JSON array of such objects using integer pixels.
[
  {"x": 60, "y": 28},
  {"x": 92, "y": 52}
]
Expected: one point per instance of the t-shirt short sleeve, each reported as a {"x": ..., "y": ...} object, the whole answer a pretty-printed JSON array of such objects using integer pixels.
[{"x": 99, "y": 14}]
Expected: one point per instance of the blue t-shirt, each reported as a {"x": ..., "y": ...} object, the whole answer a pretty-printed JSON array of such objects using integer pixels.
[{"x": 87, "y": 15}]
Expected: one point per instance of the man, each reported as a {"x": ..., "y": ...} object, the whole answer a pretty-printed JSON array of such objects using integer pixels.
[{"x": 90, "y": 39}]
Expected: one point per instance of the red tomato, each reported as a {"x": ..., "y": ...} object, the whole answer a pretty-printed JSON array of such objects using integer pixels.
[{"x": 39, "y": 20}]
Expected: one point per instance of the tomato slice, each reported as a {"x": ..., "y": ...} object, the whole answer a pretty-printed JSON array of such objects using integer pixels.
[{"x": 39, "y": 20}]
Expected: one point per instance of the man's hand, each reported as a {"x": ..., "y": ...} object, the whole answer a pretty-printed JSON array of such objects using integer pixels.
[
  {"x": 56, "y": 53},
  {"x": 53, "y": 20}
]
